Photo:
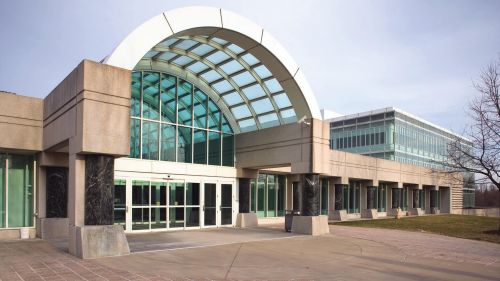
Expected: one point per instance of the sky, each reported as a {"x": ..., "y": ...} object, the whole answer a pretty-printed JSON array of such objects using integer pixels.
[{"x": 420, "y": 56}]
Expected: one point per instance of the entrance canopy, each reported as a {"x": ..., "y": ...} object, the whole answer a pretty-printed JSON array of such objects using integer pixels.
[{"x": 238, "y": 64}]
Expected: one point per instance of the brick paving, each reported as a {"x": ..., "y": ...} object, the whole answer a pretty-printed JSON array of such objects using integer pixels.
[
  {"x": 37, "y": 260},
  {"x": 427, "y": 245}
]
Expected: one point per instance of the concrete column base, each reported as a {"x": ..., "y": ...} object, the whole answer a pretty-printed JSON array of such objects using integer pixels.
[
  {"x": 417, "y": 212},
  {"x": 340, "y": 215},
  {"x": 369, "y": 214},
  {"x": 310, "y": 225},
  {"x": 435, "y": 211},
  {"x": 95, "y": 241},
  {"x": 52, "y": 228},
  {"x": 247, "y": 220}
]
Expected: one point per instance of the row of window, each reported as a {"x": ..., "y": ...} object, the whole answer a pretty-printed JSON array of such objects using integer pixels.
[
  {"x": 161, "y": 205},
  {"x": 16, "y": 190},
  {"x": 165, "y": 142},
  {"x": 360, "y": 140}
]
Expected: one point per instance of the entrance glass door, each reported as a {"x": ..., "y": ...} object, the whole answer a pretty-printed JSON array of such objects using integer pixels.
[
  {"x": 226, "y": 204},
  {"x": 209, "y": 204}
]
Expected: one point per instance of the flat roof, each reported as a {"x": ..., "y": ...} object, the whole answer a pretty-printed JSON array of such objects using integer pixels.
[{"x": 395, "y": 109}]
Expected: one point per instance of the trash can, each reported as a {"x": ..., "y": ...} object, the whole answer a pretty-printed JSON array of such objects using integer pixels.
[
  {"x": 24, "y": 232},
  {"x": 289, "y": 219}
]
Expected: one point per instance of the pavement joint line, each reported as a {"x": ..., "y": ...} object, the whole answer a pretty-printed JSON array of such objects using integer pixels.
[
  {"x": 215, "y": 245},
  {"x": 232, "y": 262}
]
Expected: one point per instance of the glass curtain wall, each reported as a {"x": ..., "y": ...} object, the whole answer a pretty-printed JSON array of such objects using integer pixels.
[
  {"x": 16, "y": 190},
  {"x": 160, "y": 205},
  {"x": 382, "y": 197},
  {"x": 268, "y": 195},
  {"x": 172, "y": 120},
  {"x": 351, "y": 196}
]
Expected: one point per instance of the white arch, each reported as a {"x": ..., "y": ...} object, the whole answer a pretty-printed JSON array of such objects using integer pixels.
[{"x": 226, "y": 25}]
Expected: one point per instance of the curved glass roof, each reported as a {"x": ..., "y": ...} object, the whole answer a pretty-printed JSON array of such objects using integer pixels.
[{"x": 254, "y": 97}]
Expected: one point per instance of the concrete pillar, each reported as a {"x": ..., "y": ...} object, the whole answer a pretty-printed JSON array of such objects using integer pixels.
[
  {"x": 310, "y": 195},
  {"x": 245, "y": 218},
  {"x": 310, "y": 221},
  {"x": 90, "y": 208}
]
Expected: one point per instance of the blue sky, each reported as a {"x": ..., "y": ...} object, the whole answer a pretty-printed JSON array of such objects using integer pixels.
[{"x": 420, "y": 56}]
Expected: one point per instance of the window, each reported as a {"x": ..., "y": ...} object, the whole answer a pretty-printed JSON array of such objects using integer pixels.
[
  {"x": 16, "y": 190},
  {"x": 174, "y": 121}
]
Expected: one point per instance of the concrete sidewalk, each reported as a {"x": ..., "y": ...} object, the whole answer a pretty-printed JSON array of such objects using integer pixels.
[{"x": 348, "y": 253}]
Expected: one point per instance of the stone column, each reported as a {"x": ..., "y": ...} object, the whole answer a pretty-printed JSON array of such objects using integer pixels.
[
  {"x": 370, "y": 197},
  {"x": 311, "y": 195},
  {"x": 310, "y": 221},
  {"x": 244, "y": 195},
  {"x": 297, "y": 196},
  {"x": 245, "y": 218},
  {"x": 339, "y": 196},
  {"x": 99, "y": 189},
  {"x": 91, "y": 199}
]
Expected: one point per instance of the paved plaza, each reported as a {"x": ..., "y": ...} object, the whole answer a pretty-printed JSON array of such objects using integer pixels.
[{"x": 348, "y": 253}]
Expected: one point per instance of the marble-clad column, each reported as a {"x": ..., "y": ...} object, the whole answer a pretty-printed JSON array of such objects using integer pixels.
[
  {"x": 311, "y": 195},
  {"x": 56, "y": 192},
  {"x": 339, "y": 196},
  {"x": 370, "y": 197},
  {"x": 99, "y": 187},
  {"x": 244, "y": 195}
]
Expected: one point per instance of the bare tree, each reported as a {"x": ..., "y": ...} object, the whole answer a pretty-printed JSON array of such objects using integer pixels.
[{"x": 482, "y": 155}]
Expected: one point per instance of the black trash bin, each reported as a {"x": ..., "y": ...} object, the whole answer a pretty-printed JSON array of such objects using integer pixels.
[{"x": 289, "y": 219}]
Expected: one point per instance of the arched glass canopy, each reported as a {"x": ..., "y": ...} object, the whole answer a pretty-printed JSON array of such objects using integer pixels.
[{"x": 245, "y": 88}]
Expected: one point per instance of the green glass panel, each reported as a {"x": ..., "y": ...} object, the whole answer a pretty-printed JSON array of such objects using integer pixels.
[
  {"x": 176, "y": 196},
  {"x": 135, "y": 101},
  {"x": 192, "y": 216},
  {"x": 158, "y": 218},
  {"x": 140, "y": 218},
  {"x": 214, "y": 116},
  {"x": 158, "y": 194},
  {"x": 200, "y": 109},
  {"x": 150, "y": 135},
  {"x": 176, "y": 217},
  {"x": 228, "y": 150},
  {"x": 253, "y": 195},
  {"x": 226, "y": 128},
  {"x": 140, "y": 193},
  {"x": 20, "y": 196},
  {"x": 200, "y": 147},
  {"x": 119, "y": 202},
  {"x": 185, "y": 101},
  {"x": 135, "y": 138},
  {"x": 151, "y": 95},
  {"x": 214, "y": 147},
  {"x": 346, "y": 197},
  {"x": 192, "y": 194},
  {"x": 3, "y": 172},
  {"x": 167, "y": 142},
  {"x": 271, "y": 195},
  {"x": 168, "y": 88},
  {"x": 281, "y": 195},
  {"x": 184, "y": 149},
  {"x": 261, "y": 195}
]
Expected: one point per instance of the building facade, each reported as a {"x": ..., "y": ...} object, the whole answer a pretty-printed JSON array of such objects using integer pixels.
[
  {"x": 393, "y": 134},
  {"x": 197, "y": 119}
]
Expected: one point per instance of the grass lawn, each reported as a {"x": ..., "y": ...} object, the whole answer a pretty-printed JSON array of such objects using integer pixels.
[{"x": 469, "y": 227}]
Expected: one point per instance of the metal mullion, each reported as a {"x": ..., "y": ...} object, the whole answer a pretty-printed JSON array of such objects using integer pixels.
[
  {"x": 256, "y": 82},
  {"x": 177, "y": 122},
  {"x": 7, "y": 191},
  {"x": 223, "y": 75},
  {"x": 267, "y": 112},
  {"x": 140, "y": 123},
  {"x": 224, "y": 61},
  {"x": 174, "y": 58},
  {"x": 237, "y": 72},
  {"x": 159, "y": 116},
  {"x": 216, "y": 81}
]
